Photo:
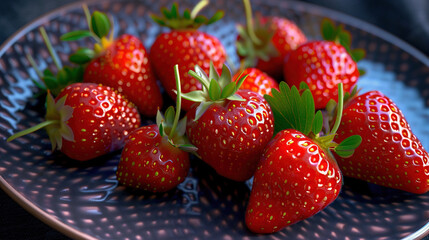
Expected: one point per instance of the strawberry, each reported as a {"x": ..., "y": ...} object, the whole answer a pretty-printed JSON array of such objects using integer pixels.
[
  {"x": 265, "y": 44},
  {"x": 390, "y": 155},
  {"x": 230, "y": 127},
  {"x": 121, "y": 63},
  {"x": 296, "y": 176},
  {"x": 87, "y": 120},
  {"x": 154, "y": 157},
  {"x": 324, "y": 64},
  {"x": 257, "y": 81},
  {"x": 185, "y": 45}
]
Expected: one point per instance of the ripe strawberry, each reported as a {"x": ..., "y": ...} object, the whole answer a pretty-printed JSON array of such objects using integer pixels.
[
  {"x": 122, "y": 63},
  {"x": 187, "y": 46},
  {"x": 265, "y": 45},
  {"x": 87, "y": 120},
  {"x": 257, "y": 81},
  {"x": 230, "y": 127},
  {"x": 324, "y": 64},
  {"x": 296, "y": 176},
  {"x": 390, "y": 155},
  {"x": 153, "y": 158}
]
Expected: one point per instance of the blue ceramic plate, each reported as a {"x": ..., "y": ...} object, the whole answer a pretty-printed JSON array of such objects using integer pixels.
[{"x": 83, "y": 200}]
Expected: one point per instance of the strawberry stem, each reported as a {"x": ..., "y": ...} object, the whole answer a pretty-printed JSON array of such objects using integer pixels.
[
  {"x": 33, "y": 129},
  {"x": 200, "y": 5},
  {"x": 51, "y": 50},
  {"x": 339, "y": 109},
  {"x": 34, "y": 66},
  {"x": 249, "y": 20},
  {"x": 178, "y": 101}
]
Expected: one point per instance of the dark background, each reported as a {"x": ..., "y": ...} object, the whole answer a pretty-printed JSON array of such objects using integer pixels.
[{"x": 407, "y": 19}]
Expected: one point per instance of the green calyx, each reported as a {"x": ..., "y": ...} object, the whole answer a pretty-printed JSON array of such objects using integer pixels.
[
  {"x": 99, "y": 28},
  {"x": 54, "y": 82},
  {"x": 330, "y": 32},
  {"x": 255, "y": 40},
  {"x": 216, "y": 89},
  {"x": 294, "y": 109},
  {"x": 188, "y": 20},
  {"x": 169, "y": 124},
  {"x": 57, "y": 115}
]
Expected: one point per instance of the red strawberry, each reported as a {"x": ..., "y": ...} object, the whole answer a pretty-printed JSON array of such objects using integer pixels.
[
  {"x": 122, "y": 63},
  {"x": 87, "y": 120},
  {"x": 257, "y": 81},
  {"x": 266, "y": 44},
  {"x": 153, "y": 158},
  {"x": 230, "y": 127},
  {"x": 295, "y": 179},
  {"x": 187, "y": 46},
  {"x": 296, "y": 176},
  {"x": 324, "y": 64},
  {"x": 390, "y": 155}
]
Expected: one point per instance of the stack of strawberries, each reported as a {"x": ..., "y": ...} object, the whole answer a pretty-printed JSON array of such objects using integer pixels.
[{"x": 291, "y": 117}]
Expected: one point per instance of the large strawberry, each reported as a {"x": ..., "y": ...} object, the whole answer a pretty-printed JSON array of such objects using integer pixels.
[
  {"x": 153, "y": 158},
  {"x": 185, "y": 45},
  {"x": 323, "y": 64},
  {"x": 263, "y": 44},
  {"x": 121, "y": 63},
  {"x": 390, "y": 155},
  {"x": 257, "y": 81},
  {"x": 87, "y": 120},
  {"x": 296, "y": 176},
  {"x": 230, "y": 127}
]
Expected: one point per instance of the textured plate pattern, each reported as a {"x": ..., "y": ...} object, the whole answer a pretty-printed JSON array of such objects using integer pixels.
[{"x": 86, "y": 196}]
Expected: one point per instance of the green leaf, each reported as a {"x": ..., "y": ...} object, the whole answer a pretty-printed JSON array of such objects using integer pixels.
[
  {"x": 350, "y": 143},
  {"x": 345, "y": 38},
  {"x": 358, "y": 54},
  {"x": 214, "y": 90},
  {"x": 303, "y": 85},
  {"x": 240, "y": 81},
  {"x": 344, "y": 154},
  {"x": 216, "y": 17},
  {"x": 166, "y": 12},
  {"x": 361, "y": 72},
  {"x": 174, "y": 13},
  {"x": 225, "y": 77},
  {"x": 228, "y": 90},
  {"x": 328, "y": 30},
  {"x": 169, "y": 116},
  {"x": 187, "y": 147},
  {"x": 75, "y": 35},
  {"x": 161, "y": 129},
  {"x": 201, "y": 109},
  {"x": 200, "y": 19},
  {"x": 317, "y": 122},
  {"x": 100, "y": 24},
  {"x": 158, "y": 20},
  {"x": 194, "y": 96},
  {"x": 82, "y": 56}
]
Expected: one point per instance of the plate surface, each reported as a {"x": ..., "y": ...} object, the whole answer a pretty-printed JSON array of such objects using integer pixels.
[{"x": 83, "y": 200}]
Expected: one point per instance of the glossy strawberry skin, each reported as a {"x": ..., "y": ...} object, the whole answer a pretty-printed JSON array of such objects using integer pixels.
[
  {"x": 151, "y": 163},
  {"x": 287, "y": 37},
  {"x": 390, "y": 154},
  {"x": 257, "y": 81},
  {"x": 101, "y": 120},
  {"x": 294, "y": 180},
  {"x": 322, "y": 65},
  {"x": 125, "y": 66},
  {"x": 186, "y": 48},
  {"x": 232, "y": 136}
]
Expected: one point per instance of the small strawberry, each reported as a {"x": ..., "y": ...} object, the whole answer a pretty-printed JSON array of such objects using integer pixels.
[
  {"x": 185, "y": 45},
  {"x": 122, "y": 63},
  {"x": 324, "y": 64},
  {"x": 230, "y": 127},
  {"x": 153, "y": 158},
  {"x": 265, "y": 44},
  {"x": 257, "y": 81},
  {"x": 87, "y": 120},
  {"x": 297, "y": 176},
  {"x": 390, "y": 155}
]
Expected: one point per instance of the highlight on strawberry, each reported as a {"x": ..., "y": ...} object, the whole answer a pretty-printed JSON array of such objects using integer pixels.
[
  {"x": 121, "y": 63},
  {"x": 390, "y": 155},
  {"x": 229, "y": 126},
  {"x": 156, "y": 157},
  {"x": 297, "y": 175},
  {"x": 87, "y": 120},
  {"x": 322, "y": 64},
  {"x": 264, "y": 42},
  {"x": 185, "y": 45}
]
